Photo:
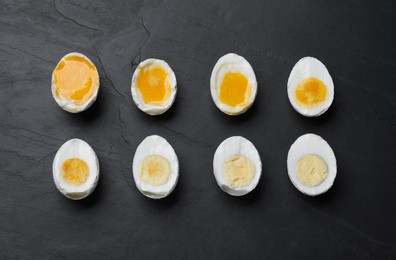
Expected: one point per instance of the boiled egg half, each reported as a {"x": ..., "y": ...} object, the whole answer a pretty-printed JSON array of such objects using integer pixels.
[
  {"x": 75, "y": 169},
  {"x": 237, "y": 166},
  {"x": 311, "y": 165},
  {"x": 153, "y": 86},
  {"x": 310, "y": 87},
  {"x": 75, "y": 83},
  {"x": 233, "y": 84},
  {"x": 155, "y": 167}
]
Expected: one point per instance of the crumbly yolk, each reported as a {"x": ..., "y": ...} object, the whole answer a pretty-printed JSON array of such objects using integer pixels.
[
  {"x": 75, "y": 171},
  {"x": 311, "y": 92},
  {"x": 235, "y": 89},
  {"x": 155, "y": 170},
  {"x": 311, "y": 170},
  {"x": 238, "y": 171},
  {"x": 76, "y": 79},
  {"x": 153, "y": 84}
]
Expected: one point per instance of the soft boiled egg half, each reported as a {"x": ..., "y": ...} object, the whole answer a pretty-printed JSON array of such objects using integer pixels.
[
  {"x": 311, "y": 165},
  {"x": 153, "y": 86},
  {"x": 75, "y": 169},
  {"x": 233, "y": 84},
  {"x": 75, "y": 83},
  {"x": 310, "y": 87},
  {"x": 237, "y": 166},
  {"x": 155, "y": 167}
]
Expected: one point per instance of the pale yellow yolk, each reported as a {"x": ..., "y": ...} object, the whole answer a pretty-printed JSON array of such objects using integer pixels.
[
  {"x": 75, "y": 171},
  {"x": 310, "y": 92},
  {"x": 76, "y": 79},
  {"x": 311, "y": 170},
  {"x": 235, "y": 89},
  {"x": 238, "y": 171},
  {"x": 154, "y": 86},
  {"x": 155, "y": 170}
]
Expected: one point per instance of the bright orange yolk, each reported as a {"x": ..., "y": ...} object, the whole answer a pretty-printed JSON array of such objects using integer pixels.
[
  {"x": 76, "y": 79},
  {"x": 153, "y": 84},
  {"x": 235, "y": 89},
  {"x": 311, "y": 92},
  {"x": 75, "y": 171}
]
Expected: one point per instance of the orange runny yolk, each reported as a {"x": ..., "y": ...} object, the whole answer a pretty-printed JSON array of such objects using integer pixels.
[
  {"x": 75, "y": 171},
  {"x": 310, "y": 92},
  {"x": 235, "y": 89},
  {"x": 76, "y": 79},
  {"x": 153, "y": 84}
]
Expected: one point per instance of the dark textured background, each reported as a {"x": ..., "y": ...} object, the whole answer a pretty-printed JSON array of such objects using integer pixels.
[{"x": 354, "y": 39}]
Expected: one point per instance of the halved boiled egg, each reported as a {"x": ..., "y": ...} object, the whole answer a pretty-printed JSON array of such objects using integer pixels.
[
  {"x": 75, "y": 169},
  {"x": 155, "y": 167},
  {"x": 311, "y": 165},
  {"x": 310, "y": 87},
  {"x": 153, "y": 86},
  {"x": 237, "y": 166},
  {"x": 75, "y": 82},
  {"x": 233, "y": 84}
]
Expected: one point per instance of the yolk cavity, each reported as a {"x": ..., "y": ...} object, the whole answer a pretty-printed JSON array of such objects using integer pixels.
[
  {"x": 310, "y": 92},
  {"x": 75, "y": 171},
  {"x": 154, "y": 86},
  {"x": 155, "y": 170},
  {"x": 76, "y": 79},
  {"x": 238, "y": 171},
  {"x": 235, "y": 90}
]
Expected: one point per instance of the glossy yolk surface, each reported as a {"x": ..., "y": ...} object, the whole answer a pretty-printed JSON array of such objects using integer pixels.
[
  {"x": 155, "y": 170},
  {"x": 154, "y": 86},
  {"x": 75, "y": 171},
  {"x": 238, "y": 171},
  {"x": 310, "y": 92},
  {"x": 76, "y": 79},
  {"x": 235, "y": 90}
]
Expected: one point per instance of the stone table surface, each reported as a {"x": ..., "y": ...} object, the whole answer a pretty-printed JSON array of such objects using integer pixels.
[{"x": 356, "y": 219}]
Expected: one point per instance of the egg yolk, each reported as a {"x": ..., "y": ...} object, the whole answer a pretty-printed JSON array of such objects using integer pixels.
[
  {"x": 311, "y": 170},
  {"x": 238, "y": 171},
  {"x": 153, "y": 84},
  {"x": 75, "y": 171},
  {"x": 76, "y": 79},
  {"x": 155, "y": 170},
  {"x": 235, "y": 89},
  {"x": 311, "y": 92}
]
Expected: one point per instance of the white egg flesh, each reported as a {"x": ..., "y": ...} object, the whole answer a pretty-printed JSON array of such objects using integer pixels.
[
  {"x": 237, "y": 166},
  {"x": 311, "y": 165},
  {"x": 310, "y": 87},
  {"x": 75, "y": 169},
  {"x": 75, "y": 83},
  {"x": 233, "y": 84},
  {"x": 153, "y": 86},
  {"x": 155, "y": 167}
]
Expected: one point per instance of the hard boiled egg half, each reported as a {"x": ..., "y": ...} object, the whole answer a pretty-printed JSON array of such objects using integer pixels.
[
  {"x": 310, "y": 87},
  {"x": 75, "y": 169},
  {"x": 155, "y": 167},
  {"x": 153, "y": 86},
  {"x": 75, "y": 83},
  {"x": 311, "y": 165},
  {"x": 237, "y": 166},
  {"x": 233, "y": 84}
]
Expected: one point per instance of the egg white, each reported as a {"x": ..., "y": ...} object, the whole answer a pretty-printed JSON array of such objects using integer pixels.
[
  {"x": 236, "y": 146},
  {"x": 155, "y": 145},
  {"x": 232, "y": 62},
  {"x": 310, "y": 67},
  {"x": 76, "y": 148},
  {"x": 137, "y": 97},
  {"x": 311, "y": 144},
  {"x": 66, "y": 104}
]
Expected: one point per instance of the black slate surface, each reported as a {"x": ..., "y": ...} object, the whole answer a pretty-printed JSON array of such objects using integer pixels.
[{"x": 355, "y": 219}]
